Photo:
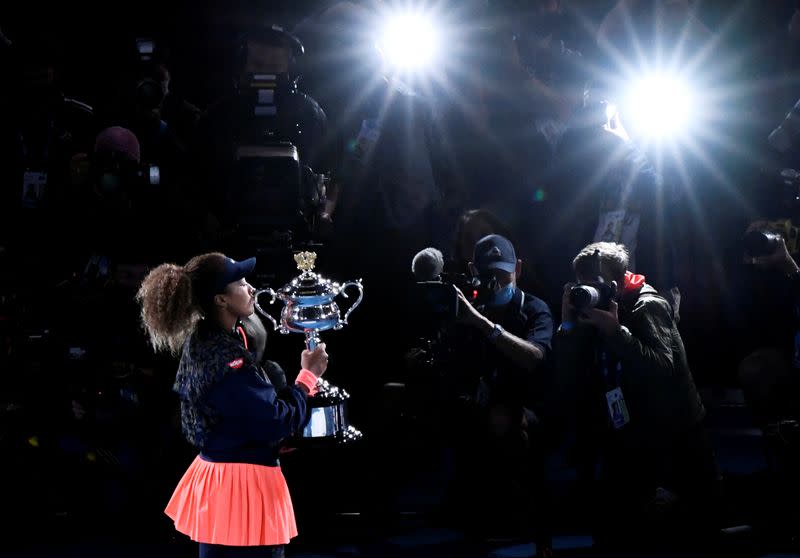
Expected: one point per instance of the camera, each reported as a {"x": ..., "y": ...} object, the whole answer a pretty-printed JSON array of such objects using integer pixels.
[
  {"x": 438, "y": 300},
  {"x": 765, "y": 242},
  {"x": 113, "y": 171},
  {"x": 591, "y": 295},
  {"x": 145, "y": 175},
  {"x": 595, "y": 294},
  {"x": 274, "y": 187}
]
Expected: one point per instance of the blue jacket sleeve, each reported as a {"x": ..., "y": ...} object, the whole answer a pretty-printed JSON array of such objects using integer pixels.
[
  {"x": 539, "y": 327},
  {"x": 244, "y": 396}
]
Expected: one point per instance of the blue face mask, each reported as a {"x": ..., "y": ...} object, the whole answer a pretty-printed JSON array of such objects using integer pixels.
[{"x": 502, "y": 296}]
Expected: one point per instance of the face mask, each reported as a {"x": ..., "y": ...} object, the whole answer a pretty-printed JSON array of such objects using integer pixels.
[{"x": 502, "y": 296}]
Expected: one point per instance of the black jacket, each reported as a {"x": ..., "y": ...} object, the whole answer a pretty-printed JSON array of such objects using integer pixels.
[
  {"x": 229, "y": 408},
  {"x": 656, "y": 382}
]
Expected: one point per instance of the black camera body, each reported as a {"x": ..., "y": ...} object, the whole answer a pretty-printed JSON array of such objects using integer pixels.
[
  {"x": 595, "y": 294},
  {"x": 274, "y": 187},
  {"x": 130, "y": 175},
  {"x": 438, "y": 300}
]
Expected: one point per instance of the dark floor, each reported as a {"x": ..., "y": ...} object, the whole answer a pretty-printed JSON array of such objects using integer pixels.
[{"x": 407, "y": 529}]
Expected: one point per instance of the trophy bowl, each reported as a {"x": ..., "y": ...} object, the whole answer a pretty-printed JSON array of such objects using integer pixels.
[{"x": 309, "y": 307}]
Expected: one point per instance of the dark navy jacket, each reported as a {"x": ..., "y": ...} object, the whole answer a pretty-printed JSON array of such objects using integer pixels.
[
  {"x": 527, "y": 317},
  {"x": 229, "y": 408}
]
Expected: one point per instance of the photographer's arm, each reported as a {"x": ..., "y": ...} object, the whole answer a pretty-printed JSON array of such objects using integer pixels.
[
  {"x": 780, "y": 260},
  {"x": 524, "y": 353},
  {"x": 331, "y": 199},
  {"x": 651, "y": 347}
]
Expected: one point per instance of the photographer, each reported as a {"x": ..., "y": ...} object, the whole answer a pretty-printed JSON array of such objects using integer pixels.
[
  {"x": 622, "y": 363},
  {"x": 504, "y": 337},
  {"x": 769, "y": 375}
]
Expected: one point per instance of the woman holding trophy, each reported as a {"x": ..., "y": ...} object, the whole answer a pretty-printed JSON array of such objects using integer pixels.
[{"x": 233, "y": 499}]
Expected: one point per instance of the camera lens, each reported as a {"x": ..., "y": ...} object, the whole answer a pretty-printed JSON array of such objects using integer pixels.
[
  {"x": 584, "y": 296},
  {"x": 760, "y": 243}
]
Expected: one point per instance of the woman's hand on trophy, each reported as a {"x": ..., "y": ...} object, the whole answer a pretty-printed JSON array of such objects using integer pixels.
[{"x": 316, "y": 361}]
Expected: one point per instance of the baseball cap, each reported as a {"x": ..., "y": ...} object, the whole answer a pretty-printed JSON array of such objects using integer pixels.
[
  {"x": 494, "y": 252},
  {"x": 233, "y": 272}
]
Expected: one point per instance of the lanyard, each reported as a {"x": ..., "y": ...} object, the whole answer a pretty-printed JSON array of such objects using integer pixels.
[{"x": 607, "y": 373}]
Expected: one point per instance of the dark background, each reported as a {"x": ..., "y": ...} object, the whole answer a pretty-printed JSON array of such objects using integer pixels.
[{"x": 723, "y": 317}]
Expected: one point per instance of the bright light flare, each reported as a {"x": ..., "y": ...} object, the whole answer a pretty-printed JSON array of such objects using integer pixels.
[
  {"x": 611, "y": 111},
  {"x": 408, "y": 41},
  {"x": 659, "y": 106}
]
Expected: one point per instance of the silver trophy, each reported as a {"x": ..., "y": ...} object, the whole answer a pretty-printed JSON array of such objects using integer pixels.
[{"x": 309, "y": 308}]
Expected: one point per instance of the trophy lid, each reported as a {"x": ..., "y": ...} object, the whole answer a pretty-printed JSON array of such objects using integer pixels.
[{"x": 309, "y": 287}]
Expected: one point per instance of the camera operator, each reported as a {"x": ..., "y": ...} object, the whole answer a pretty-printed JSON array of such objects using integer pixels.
[
  {"x": 769, "y": 376},
  {"x": 504, "y": 338},
  {"x": 621, "y": 361},
  {"x": 119, "y": 194},
  {"x": 260, "y": 146}
]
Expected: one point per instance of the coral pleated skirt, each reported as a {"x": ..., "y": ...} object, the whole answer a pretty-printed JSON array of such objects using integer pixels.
[{"x": 233, "y": 504}]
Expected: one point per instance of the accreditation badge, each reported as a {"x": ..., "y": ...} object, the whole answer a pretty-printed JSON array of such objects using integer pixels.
[{"x": 617, "y": 409}]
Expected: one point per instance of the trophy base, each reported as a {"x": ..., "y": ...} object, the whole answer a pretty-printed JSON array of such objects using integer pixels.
[{"x": 327, "y": 424}]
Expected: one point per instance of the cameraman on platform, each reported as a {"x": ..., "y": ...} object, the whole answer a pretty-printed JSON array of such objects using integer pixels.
[
  {"x": 260, "y": 146},
  {"x": 504, "y": 338},
  {"x": 622, "y": 363}
]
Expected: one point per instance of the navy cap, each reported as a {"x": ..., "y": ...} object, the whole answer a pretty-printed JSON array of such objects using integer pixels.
[
  {"x": 494, "y": 252},
  {"x": 233, "y": 272}
]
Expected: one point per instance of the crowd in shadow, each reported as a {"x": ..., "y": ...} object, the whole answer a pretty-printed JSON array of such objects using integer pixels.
[{"x": 519, "y": 134}]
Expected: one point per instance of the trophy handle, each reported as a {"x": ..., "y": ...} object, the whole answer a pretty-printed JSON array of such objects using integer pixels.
[
  {"x": 360, "y": 288},
  {"x": 261, "y": 311}
]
